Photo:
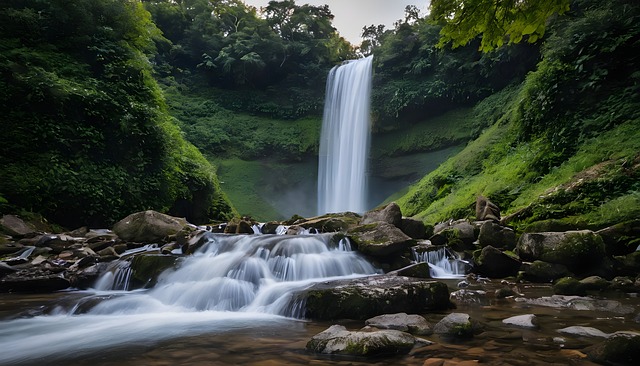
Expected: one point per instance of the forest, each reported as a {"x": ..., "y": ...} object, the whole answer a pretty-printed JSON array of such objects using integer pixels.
[{"x": 115, "y": 106}]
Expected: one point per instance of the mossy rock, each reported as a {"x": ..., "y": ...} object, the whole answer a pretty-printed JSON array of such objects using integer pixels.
[
  {"x": 621, "y": 348},
  {"x": 364, "y": 298},
  {"x": 578, "y": 250},
  {"x": 494, "y": 263},
  {"x": 380, "y": 239},
  {"x": 622, "y": 238},
  {"x": 569, "y": 286},
  {"x": 540, "y": 271},
  {"x": 337, "y": 340},
  {"x": 146, "y": 268}
]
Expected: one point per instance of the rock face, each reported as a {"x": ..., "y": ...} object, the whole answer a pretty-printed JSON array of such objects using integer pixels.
[
  {"x": 380, "y": 239},
  {"x": 390, "y": 214},
  {"x": 148, "y": 227},
  {"x": 578, "y": 250},
  {"x": 414, "y": 324},
  {"x": 337, "y": 340},
  {"x": 364, "y": 298}
]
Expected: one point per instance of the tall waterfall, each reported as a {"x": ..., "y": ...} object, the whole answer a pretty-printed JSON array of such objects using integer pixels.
[{"x": 344, "y": 141}]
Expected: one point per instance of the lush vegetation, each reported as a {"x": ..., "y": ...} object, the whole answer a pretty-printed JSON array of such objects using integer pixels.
[
  {"x": 86, "y": 135},
  {"x": 564, "y": 150}
]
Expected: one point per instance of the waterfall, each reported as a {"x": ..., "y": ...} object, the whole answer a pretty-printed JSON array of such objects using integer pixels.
[
  {"x": 344, "y": 141},
  {"x": 231, "y": 282},
  {"x": 443, "y": 263}
]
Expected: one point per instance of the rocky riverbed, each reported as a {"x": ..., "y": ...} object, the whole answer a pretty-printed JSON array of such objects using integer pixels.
[{"x": 548, "y": 297}]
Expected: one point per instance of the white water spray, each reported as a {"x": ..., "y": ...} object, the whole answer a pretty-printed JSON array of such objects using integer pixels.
[{"x": 344, "y": 141}]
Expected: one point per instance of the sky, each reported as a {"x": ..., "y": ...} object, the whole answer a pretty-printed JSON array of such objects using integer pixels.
[{"x": 352, "y": 15}]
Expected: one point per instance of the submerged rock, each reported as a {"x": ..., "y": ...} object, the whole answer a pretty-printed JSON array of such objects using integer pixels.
[
  {"x": 581, "y": 331},
  {"x": 337, "y": 340},
  {"x": 367, "y": 297},
  {"x": 414, "y": 324},
  {"x": 522, "y": 321}
]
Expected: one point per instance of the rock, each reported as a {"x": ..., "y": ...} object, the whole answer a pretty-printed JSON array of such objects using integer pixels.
[
  {"x": 470, "y": 297},
  {"x": 494, "y": 263},
  {"x": 569, "y": 286},
  {"x": 581, "y": 331},
  {"x": 621, "y": 348},
  {"x": 390, "y": 214},
  {"x": 331, "y": 223},
  {"x": 621, "y": 239},
  {"x": 594, "y": 283},
  {"x": 146, "y": 268},
  {"x": 497, "y": 236},
  {"x": 416, "y": 229},
  {"x": 578, "y": 250},
  {"x": 15, "y": 226},
  {"x": 578, "y": 303},
  {"x": 148, "y": 227},
  {"x": 363, "y": 298},
  {"x": 540, "y": 271},
  {"x": 380, "y": 239},
  {"x": 40, "y": 279},
  {"x": 244, "y": 227},
  {"x": 5, "y": 269},
  {"x": 269, "y": 227},
  {"x": 414, "y": 324},
  {"x": 504, "y": 292},
  {"x": 486, "y": 210},
  {"x": 629, "y": 264},
  {"x": 80, "y": 232},
  {"x": 625, "y": 284},
  {"x": 459, "y": 235},
  {"x": 522, "y": 321},
  {"x": 458, "y": 325},
  {"x": 417, "y": 270},
  {"x": 10, "y": 248},
  {"x": 198, "y": 239},
  {"x": 338, "y": 340}
]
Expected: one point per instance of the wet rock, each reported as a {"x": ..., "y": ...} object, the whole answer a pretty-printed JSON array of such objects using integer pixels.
[
  {"x": 244, "y": 227},
  {"x": 625, "y": 284},
  {"x": 416, "y": 229},
  {"x": 363, "y": 298},
  {"x": 390, "y": 214},
  {"x": 417, "y": 270},
  {"x": 629, "y": 264},
  {"x": 459, "y": 235},
  {"x": 43, "y": 278},
  {"x": 486, "y": 210},
  {"x": 621, "y": 348},
  {"x": 522, "y": 321},
  {"x": 540, "y": 271},
  {"x": 497, "y": 236},
  {"x": 569, "y": 286},
  {"x": 594, "y": 283},
  {"x": 457, "y": 325},
  {"x": 578, "y": 303},
  {"x": 581, "y": 331},
  {"x": 146, "y": 268},
  {"x": 380, "y": 239},
  {"x": 269, "y": 227},
  {"x": 148, "y": 227},
  {"x": 295, "y": 230},
  {"x": 621, "y": 239},
  {"x": 337, "y": 340},
  {"x": 494, "y": 263},
  {"x": 414, "y": 324},
  {"x": 198, "y": 239},
  {"x": 466, "y": 296},
  {"x": 10, "y": 248},
  {"x": 505, "y": 292},
  {"x": 15, "y": 226},
  {"x": 578, "y": 250}
]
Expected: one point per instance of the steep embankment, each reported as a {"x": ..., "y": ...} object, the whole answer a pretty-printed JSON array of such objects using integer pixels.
[
  {"x": 565, "y": 151},
  {"x": 86, "y": 135}
]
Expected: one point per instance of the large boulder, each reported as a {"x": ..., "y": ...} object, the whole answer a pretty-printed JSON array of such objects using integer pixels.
[
  {"x": 496, "y": 235},
  {"x": 390, "y": 214},
  {"x": 578, "y": 250},
  {"x": 486, "y": 210},
  {"x": 540, "y": 271},
  {"x": 380, "y": 239},
  {"x": 337, "y": 340},
  {"x": 15, "y": 226},
  {"x": 621, "y": 239},
  {"x": 620, "y": 348},
  {"x": 459, "y": 235},
  {"x": 148, "y": 227},
  {"x": 414, "y": 228},
  {"x": 495, "y": 264},
  {"x": 146, "y": 268},
  {"x": 367, "y": 297}
]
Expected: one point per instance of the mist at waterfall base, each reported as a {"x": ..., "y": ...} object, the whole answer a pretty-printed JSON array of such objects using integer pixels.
[
  {"x": 231, "y": 283},
  {"x": 345, "y": 138}
]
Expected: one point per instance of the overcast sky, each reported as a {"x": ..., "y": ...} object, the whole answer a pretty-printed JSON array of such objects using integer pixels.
[{"x": 352, "y": 15}]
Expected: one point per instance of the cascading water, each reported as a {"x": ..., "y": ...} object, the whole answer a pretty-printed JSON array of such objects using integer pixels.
[
  {"x": 344, "y": 141},
  {"x": 231, "y": 282},
  {"x": 443, "y": 263}
]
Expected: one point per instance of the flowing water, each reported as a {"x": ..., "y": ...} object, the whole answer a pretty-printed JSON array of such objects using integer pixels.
[
  {"x": 345, "y": 138},
  {"x": 230, "y": 304}
]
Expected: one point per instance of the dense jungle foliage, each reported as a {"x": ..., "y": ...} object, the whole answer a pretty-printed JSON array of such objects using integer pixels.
[{"x": 98, "y": 98}]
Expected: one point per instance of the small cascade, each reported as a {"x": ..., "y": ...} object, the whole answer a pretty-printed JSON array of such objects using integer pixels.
[
  {"x": 116, "y": 277},
  {"x": 443, "y": 263}
]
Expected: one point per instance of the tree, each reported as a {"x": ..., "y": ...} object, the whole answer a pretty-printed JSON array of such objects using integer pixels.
[{"x": 496, "y": 21}]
